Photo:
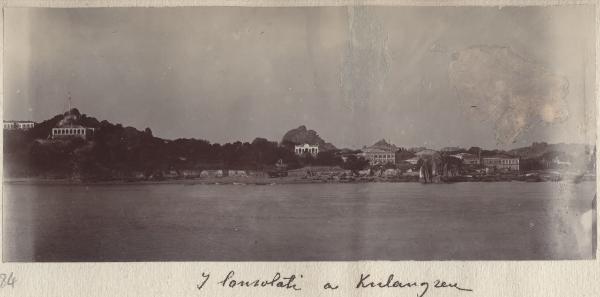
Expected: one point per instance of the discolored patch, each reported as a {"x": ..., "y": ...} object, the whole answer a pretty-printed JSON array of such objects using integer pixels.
[
  {"x": 366, "y": 59},
  {"x": 508, "y": 90}
]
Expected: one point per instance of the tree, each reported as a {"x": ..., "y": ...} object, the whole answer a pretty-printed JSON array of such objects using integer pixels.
[
  {"x": 402, "y": 155},
  {"x": 474, "y": 150},
  {"x": 355, "y": 164},
  {"x": 328, "y": 158}
]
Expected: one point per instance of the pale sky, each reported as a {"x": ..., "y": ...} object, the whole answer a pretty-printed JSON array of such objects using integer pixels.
[{"x": 416, "y": 76}]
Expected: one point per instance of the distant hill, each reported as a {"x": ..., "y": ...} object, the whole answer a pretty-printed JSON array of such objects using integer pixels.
[
  {"x": 540, "y": 149},
  {"x": 384, "y": 145},
  {"x": 302, "y": 135},
  {"x": 540, "y": 155}
]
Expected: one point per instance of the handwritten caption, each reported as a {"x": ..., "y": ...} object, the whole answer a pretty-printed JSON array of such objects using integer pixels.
[{"x": 294, "y": 282}]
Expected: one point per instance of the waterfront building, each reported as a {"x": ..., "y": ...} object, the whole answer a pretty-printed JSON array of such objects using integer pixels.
[
  {"x": 501, "y": 162},
  {"x": 306, "y": 148},
  {"x": 18, "y": 125},
  {"x": 380, "y": 153},
  {"x": 378, "y": 156}
]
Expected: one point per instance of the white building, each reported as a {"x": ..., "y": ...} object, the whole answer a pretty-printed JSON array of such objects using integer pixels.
[
  {"x": 18, "y": 125},
  {"x": 377, "y": 156},
  {"x": 380, "y": 153},
  {"x": 72, "y": 131},
  {"x": 502, "y": 162},
  {"x": 306, "y": 148},
  {"x": 70, "y": 126}
]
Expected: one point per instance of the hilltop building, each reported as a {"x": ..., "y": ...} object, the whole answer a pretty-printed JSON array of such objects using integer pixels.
[
  {"x": 70, "y": 126},
  {"x": 501, "y": 162},
  {"x": 306, "y": 148},
  {"x": 72, "y": 131},
  {"x": 18, "y": 125}
]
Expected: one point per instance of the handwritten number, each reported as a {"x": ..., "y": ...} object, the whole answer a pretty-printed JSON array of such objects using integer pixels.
[
  {"x": 205, "y": 276},
  {"x": 7, "y": 280}
]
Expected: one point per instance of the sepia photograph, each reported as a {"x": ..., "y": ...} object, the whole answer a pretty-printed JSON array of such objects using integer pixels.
[{"x": 340, "y": 133}]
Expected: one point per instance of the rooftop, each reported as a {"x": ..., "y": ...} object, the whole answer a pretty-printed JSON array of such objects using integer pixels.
[
  {"x": 18, "y": 121},
  {"x": 501, "y": 156}
]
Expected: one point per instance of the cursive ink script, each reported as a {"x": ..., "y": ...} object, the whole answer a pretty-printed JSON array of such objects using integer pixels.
[
  {"x": 364, "y": 282},
  {"x": 277, "y": 281}
]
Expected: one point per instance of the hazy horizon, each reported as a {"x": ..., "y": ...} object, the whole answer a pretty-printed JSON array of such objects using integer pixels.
[{"x": 415, "y": 76}]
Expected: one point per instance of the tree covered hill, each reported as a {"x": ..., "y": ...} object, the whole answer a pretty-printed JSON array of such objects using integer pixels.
[
  {"x": 302, "y": 135},
  {"x": 117, "y": 152}
]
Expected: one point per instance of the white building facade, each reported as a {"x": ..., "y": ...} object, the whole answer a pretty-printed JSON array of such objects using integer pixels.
[
  {"x": 379, "y": 156},
  {"x": 306, "y": 148},
  {"x": 72, "y": 131},
  {"x": 18, "y": 125},
  {"x": 505, "y": 163}
]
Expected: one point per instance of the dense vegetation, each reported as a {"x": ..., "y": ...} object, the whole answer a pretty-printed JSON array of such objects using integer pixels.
[
  {"x": 120, "y": 152},
  {"x": 117, "y": 152}
]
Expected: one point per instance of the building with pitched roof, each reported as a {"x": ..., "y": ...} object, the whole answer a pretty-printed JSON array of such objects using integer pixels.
[{"x": 380, "y": 153}]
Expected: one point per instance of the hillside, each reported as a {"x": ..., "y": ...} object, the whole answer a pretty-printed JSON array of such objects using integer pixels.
[
  {"x": 539, "y": 149},
  {"x": 302, "y": 135},
  {"x": 118, "y": 152}
]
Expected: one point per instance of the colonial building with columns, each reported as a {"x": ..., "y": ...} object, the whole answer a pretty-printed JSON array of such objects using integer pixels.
[
  {"x": 306, "y": 148},
  {"x": 70, "y": 127},
  {"x": 72, "y": 131}
]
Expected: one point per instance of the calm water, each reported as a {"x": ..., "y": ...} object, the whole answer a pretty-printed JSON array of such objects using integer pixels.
[{"x": 375, "y": 221}]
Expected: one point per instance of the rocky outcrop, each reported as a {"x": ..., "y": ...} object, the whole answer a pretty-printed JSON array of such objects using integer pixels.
[{"x": 302, "y": 135}]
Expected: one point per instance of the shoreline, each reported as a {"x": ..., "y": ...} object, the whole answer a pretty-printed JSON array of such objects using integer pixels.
[{"x": 261, "y": 181}]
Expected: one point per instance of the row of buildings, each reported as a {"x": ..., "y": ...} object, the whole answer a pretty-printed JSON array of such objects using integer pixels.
[
  {"x": 66, "y": 128},
  {"x": 382, "y": 153},
  {"x": 18, "y": 125},
  {"x": 498, "y": 161}
]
